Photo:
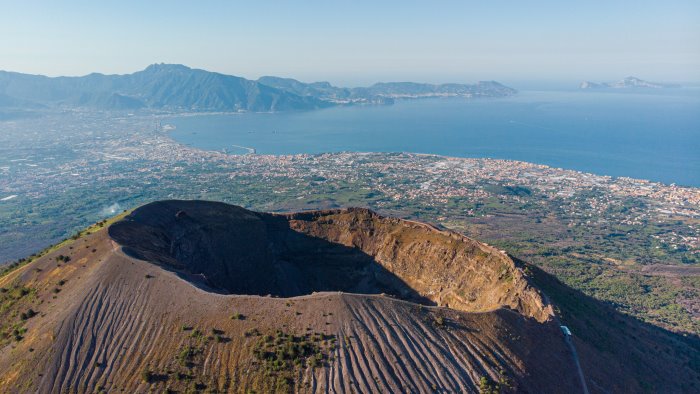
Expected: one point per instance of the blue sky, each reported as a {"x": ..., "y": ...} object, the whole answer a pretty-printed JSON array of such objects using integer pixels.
[{"x": 358, "y": 42}]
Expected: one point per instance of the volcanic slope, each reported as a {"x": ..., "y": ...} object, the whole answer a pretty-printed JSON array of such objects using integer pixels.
[{"x": 202, "y": 296}]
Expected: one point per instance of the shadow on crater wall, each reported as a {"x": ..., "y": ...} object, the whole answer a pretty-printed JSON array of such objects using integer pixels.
[{"x": 235, "y": 251}]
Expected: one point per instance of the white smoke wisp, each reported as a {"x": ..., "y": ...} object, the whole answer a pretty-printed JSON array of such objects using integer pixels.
[{"x": 111, "y": 210}]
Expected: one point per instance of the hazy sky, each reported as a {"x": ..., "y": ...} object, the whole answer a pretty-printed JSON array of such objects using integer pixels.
[{"x": 357, "y": 42}]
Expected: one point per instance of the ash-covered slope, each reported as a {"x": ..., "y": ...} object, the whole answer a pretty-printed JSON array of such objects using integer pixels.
[{"x": 172, "y": 297}]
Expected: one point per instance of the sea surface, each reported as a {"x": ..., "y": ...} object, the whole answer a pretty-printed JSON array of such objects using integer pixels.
[{"x": 651, "y": 135}]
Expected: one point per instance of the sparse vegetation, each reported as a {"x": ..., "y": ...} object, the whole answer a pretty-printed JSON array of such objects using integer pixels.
[
  {"x": 146, "y": 376},
  {"x": 282, "y": 354},
  {"x": 218, "y": 336},
  {"x": 63, "y": 259},
  {"x": 28, "y": 314},
  {"x": 196, "y": 334},
  {"x": 186, "y": 356},
  {"x": 253, "y": 332},
  {"x": 18, "y": 333},
  {"x": 14, "y": 265},
  {"x": 13, "y": 299},
  {"x": 439, "y": 321},
  {"x": 182, "y": 376},
  {"x": 487, "y": 386}
]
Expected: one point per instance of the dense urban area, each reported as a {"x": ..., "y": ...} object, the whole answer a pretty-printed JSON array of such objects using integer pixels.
[{"x": 630, "y": 242}]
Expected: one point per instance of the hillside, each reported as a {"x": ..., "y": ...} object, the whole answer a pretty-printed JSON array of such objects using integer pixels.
[
  {"x": 159, "y": 86},
  {"x": 192, "y": 295},
  {"x": 385, "y": 93},
  {"x": 176, "y": 87}
]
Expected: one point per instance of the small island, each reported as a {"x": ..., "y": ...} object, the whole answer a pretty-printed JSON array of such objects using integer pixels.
[{"x": 626, "y": 83}]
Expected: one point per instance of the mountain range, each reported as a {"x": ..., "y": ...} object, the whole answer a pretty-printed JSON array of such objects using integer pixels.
[{"x": 180, "y": 88}]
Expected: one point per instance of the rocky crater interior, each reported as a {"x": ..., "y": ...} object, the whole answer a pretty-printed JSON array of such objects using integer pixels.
[{"x": 231, "y": 250}]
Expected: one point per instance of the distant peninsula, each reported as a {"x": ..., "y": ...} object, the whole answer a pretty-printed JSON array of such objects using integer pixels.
[
  {"x": 626, "y": 83},
  {"x": 175, "y": 87}
]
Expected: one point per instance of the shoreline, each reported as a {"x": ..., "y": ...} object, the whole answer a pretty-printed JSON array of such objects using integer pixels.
[
  {"x": 583, "y": 143},
  {"x": 168, "y": 134}
]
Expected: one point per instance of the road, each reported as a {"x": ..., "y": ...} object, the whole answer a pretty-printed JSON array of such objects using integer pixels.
[{"x": 569, "y": 342}]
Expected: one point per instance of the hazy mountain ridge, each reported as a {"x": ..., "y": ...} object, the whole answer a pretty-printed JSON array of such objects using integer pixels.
[
  {"x": 325, "y": 91},
  {"x": 178, "y": 87},
  {"x": 626, "y": 83},
  {"x": 386, "y": 92},
  {"x": 413, "y": 89},
  {"x": 158, "y": 86}
]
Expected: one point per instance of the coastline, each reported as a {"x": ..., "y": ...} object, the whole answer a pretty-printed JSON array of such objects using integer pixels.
[
  {"x": 665, "y": 191},
  {"x": 595, "y": 143}
]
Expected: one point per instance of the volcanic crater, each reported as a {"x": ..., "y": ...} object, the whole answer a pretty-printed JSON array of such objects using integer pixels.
[{"x": 230, "y": 250}]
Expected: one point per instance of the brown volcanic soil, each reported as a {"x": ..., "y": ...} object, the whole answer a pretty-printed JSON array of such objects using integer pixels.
[{"x": 178, "y": 289}]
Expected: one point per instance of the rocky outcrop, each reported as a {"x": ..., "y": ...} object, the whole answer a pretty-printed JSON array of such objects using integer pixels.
[{"x": 445, "y": 267}]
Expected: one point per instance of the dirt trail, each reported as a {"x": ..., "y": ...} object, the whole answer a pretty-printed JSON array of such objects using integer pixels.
[
  {"x": 582, "y": 378},
  {"x": 570, "y": 344}
]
